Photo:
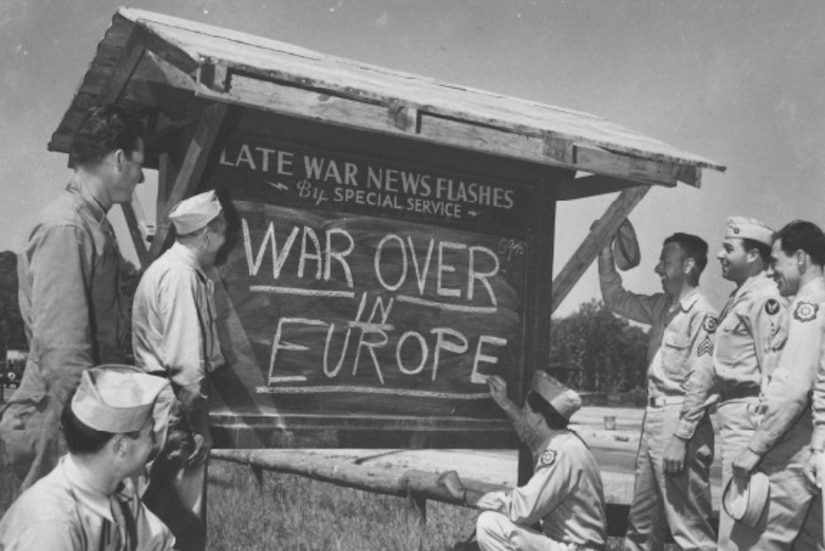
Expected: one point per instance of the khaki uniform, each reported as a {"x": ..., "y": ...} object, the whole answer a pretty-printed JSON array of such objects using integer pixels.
[
  {"x": 749, "y": 340},
  {"x": 70, "y": 272},
  {"x": 60, "y": 513},
  {"x": 681, "y": 342},
  {"x": 565, "y": 493},
  {"x": 175, "y": 335},
  {"x": 794, "y": 512}
]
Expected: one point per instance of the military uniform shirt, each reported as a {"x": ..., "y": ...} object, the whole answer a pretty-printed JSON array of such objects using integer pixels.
[
  {"x": 174, "y": 327},
  {"x": 60, "y": 513},
  {"x": 749, "y": 339},
  {"x": 681, "y": 337},
  {"x": 565, "y": 493},
  {"x": 788, "y": 393}
]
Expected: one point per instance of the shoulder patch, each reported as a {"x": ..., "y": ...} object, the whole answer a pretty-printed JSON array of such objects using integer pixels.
[
  {"x": 771, "y": 306},
  {"x": 805, "y": 311},
  {"x": 710, "y": 323},
  {"x": 547, "y": 458}
]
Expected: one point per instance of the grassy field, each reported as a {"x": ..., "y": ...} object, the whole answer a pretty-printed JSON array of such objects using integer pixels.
[{"x": 293, "y": 513}]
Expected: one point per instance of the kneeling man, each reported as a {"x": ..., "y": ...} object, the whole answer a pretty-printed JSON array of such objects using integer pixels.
[
  {"x": 88, "y": 501},
  {"x": 565, "y": 492}
]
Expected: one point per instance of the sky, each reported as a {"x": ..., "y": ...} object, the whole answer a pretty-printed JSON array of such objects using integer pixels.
[{"x": 741, "y": 82}]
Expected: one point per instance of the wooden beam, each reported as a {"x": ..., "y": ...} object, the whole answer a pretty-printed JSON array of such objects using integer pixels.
[
  {"x": 138, "y": 241},
  {"x": 596, "y": 239},
  {"x": 601, "y": 161},
  {"x": 588, "y": 186},
  {"x": 190, "y": 171},
  {"x": 125, "y": 67}
]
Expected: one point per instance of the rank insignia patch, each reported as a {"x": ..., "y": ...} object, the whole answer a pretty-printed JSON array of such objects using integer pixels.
[
  {"x": 805, "y": 311},
  {"x": 710, "y": 323},
  {"x": 547, "y": 458},
  {"x": 705, "y": 347},
  {"x": 772, "y": 306}
]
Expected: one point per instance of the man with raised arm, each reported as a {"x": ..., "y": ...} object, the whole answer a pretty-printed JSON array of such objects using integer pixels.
[
  {"x": 672, "y": 488},
  {"x": 113, "y": 425},
  {"x": 565, "y": 493},
  {"x": 749, "y": 339},
  {"x": 175, "y": 335},
  {"x": 70, "y": 272}
]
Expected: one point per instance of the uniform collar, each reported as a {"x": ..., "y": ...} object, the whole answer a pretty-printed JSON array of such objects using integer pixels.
[
  {"x": 76, "y": 186},
  {"x": 92, "y": 499},
  {"x": 811, "y": 288},
  {"x": 687, "y": 301},
  {"x": 754, "y": 282},
  {"x": 186, "y": 255}
]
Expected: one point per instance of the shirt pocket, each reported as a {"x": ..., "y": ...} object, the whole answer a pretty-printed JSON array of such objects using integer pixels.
[
  {"x": 675, "y": 352},
  {"x": 733, "y": 341}
]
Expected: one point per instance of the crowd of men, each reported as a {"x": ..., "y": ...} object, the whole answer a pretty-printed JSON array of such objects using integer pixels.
[{"x": 82, "y": 427}]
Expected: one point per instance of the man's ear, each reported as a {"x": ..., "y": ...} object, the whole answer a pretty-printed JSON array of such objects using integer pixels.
[
  {"x": 690, "y": 265},
  {"x": 120, "y": 446},
  {"x": 801, "y": 259}
]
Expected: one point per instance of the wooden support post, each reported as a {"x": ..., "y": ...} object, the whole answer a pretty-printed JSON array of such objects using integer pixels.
[
  {"x": 599, "y": 235},
  {"x": 417, "y": 506},
  {"x": 190, "y": 172},
  {"x": 133, "y": 224},
  {"x": 258, "y": 472}
]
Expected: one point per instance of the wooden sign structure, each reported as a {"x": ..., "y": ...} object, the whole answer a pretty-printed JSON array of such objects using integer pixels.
[{"x": 391, "y": 237}]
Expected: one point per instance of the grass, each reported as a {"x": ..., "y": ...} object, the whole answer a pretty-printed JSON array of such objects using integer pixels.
[{"x": 293, "y": 513}]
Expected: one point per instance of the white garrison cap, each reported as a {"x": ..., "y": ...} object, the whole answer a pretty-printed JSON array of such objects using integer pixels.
[
  {"x": 748, "y": 228},
  {"x": 195, "y": 212},
  {"x": 745, "y": 499},
  {"x": 121, "y": 399},
  {"x": 563, "y": 399}
]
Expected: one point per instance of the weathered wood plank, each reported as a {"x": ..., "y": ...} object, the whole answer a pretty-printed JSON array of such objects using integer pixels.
[
  {"x": 578, "y": 188},
  {"x": 124, "y": 68},
  {"x": 601, "y": 161},
  {"x": 320, "y": 106},
  {"x": 598, "y": 236},
  {"x": 190, "y": 171},
  {"x": 138, "y": 241}
]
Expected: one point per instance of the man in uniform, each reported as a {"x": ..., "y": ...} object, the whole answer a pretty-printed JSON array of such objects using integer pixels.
[
  {"x": 70, "y": 271},
  {"x": 682, "y": 324},
  {"x": 175, "y": 335},
  {"x": 749, "y": 339},
  {"x": 779, "y": 447},
  {"x": 565, "y": 492},
  {"x": 88, "y": 501}
]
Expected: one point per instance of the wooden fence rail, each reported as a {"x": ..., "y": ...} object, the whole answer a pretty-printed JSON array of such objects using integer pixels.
[{"x": 417, "y": 486}]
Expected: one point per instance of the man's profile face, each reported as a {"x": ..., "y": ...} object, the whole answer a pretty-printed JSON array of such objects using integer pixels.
[
  {"x": 733, "y": 259},
  {"x": 141, "y": 450},
  {"x": 129, "y": 175},
  {"x": 784, "y": 270},
  {"x": 216, "y": 235},
  {"x": 671, "y": 269}
]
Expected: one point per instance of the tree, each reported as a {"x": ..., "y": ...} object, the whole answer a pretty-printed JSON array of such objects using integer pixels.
[{"x": 604, "y": 351}]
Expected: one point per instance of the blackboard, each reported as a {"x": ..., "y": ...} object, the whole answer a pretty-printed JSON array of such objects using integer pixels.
[{"x": 357, "y": 281}]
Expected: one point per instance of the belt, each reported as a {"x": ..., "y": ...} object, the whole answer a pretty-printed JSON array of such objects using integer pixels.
[
  {"x": 662, "y": 401},
  {"x": 741, "y": 392}
]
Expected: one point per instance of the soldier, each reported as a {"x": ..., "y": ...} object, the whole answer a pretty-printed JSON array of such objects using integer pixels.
[
  {"x": 175, "y": 335},
  {"x": 779, "y": 447},
  {"x": 88, "y": 501},
  {"x": 565, "y": 492},
  {"x": 681, "y": 341},
  {"x": 70, "y": 272},
  {"x": 749, "y": 339}
]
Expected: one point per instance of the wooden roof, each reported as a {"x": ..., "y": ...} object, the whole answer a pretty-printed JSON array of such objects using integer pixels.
[{"x": 157, "y": 63}]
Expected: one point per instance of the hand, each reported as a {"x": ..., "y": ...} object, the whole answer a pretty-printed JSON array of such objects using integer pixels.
[
  {"x": 203, "y": 443},
  {"x": 745, "y": 463},
  {"x": 450, "y": 482},
  {"x": 674, "y": 458},
  {"x": 812, "y": 468},
  {"x": 498, "y": 391}
]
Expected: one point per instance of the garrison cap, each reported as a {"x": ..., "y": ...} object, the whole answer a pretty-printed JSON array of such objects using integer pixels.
[
  {"x": 748, "y": 228},
  {"x": 626, "y": 247},
  {"x": 745, "y": 499},
  {"x": 121, "y": 398},
  {"x": 563, "y": 399},
  {"x": 194, "y": 213}
]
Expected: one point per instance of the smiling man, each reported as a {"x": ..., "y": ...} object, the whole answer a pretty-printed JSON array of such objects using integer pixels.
[
  {"x": 752, "y": 331},
  {"x": 779, "y": 447},
  {"x": 682, "y": 324},
  {"x": 70, "y": 272}
]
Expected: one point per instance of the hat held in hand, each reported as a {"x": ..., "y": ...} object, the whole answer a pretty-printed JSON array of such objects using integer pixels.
[
  {"x": 625, "y": 247},
  {"x": 745, "y": 499}
]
